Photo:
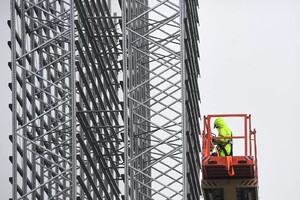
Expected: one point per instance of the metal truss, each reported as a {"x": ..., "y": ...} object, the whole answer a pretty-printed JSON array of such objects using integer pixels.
[
  {"x": 161, "y": 97},
  {"x": 43, "y": 85},
  {"x": 105, "y": 108},
  {"x": 66, "y": 110},
  {"x": 99, "y": 110}
]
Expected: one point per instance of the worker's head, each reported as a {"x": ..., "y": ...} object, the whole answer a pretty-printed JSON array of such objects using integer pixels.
[{"x": 219, "y": 123}]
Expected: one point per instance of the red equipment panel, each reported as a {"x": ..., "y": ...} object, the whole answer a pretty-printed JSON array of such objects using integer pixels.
[{"x": 216, "y": 167}]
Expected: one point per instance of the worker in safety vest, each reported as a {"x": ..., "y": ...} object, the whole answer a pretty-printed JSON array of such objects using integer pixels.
[{"x": 224, "y": 145}]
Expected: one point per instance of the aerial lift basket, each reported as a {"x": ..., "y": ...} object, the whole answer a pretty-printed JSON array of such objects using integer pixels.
[{"x": 232, "y": 177}]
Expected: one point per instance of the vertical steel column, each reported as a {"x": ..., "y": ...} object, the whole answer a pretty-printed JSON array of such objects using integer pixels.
[
  {"x": 43, "y": 86},
  {"x": 161, "y": 98},
  {"x": 155, "y": 144},
  {"x": 183, "y": 97},
  {"x": 125, "y": 99},
  {"x": 73, "y": 101},
  {"x": 14, "y": 102}
]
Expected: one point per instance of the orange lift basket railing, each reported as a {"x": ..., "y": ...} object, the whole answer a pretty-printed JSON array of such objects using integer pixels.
[{"x": 233, "y": 177}]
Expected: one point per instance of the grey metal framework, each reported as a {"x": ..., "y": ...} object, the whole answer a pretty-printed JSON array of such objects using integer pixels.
[
  {"x": 105, "y": 99},
  {"x": 161, "y": 120},
  {"x": 66, "y": 109}
]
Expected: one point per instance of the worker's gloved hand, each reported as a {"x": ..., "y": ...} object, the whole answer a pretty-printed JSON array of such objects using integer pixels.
[
  {"x": 214, "y": 154},
  {"x": 213, "y": 140},
  {"x": 213, "y": 137}
]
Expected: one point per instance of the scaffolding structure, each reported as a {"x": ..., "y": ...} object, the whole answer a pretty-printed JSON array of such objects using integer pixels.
[{"x": 105, "y": 99}]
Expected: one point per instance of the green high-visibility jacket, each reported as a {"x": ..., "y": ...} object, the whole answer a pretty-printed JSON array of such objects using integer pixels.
[{"x": 224, "y": 131}]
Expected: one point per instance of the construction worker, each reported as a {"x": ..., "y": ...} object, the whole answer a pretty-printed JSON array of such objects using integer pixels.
[{"x": 224, "y": 145}]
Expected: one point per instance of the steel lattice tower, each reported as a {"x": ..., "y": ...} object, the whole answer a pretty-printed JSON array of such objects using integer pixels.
[{"x": 105, "y": 99}]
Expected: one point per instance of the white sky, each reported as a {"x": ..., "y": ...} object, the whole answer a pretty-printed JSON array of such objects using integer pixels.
[{"x": 250, "y": 63}]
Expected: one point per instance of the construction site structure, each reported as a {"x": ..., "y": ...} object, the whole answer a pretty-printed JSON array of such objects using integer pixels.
[
  {"x": 105, "y": 99},
  {"x": 233, "y": 177}
]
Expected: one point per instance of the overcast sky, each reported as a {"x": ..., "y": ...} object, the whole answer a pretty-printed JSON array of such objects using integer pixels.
[{"x": 250, "y": 63}]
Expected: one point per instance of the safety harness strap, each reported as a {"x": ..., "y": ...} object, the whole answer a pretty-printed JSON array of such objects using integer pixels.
[{"x": 229, "y": 166}]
